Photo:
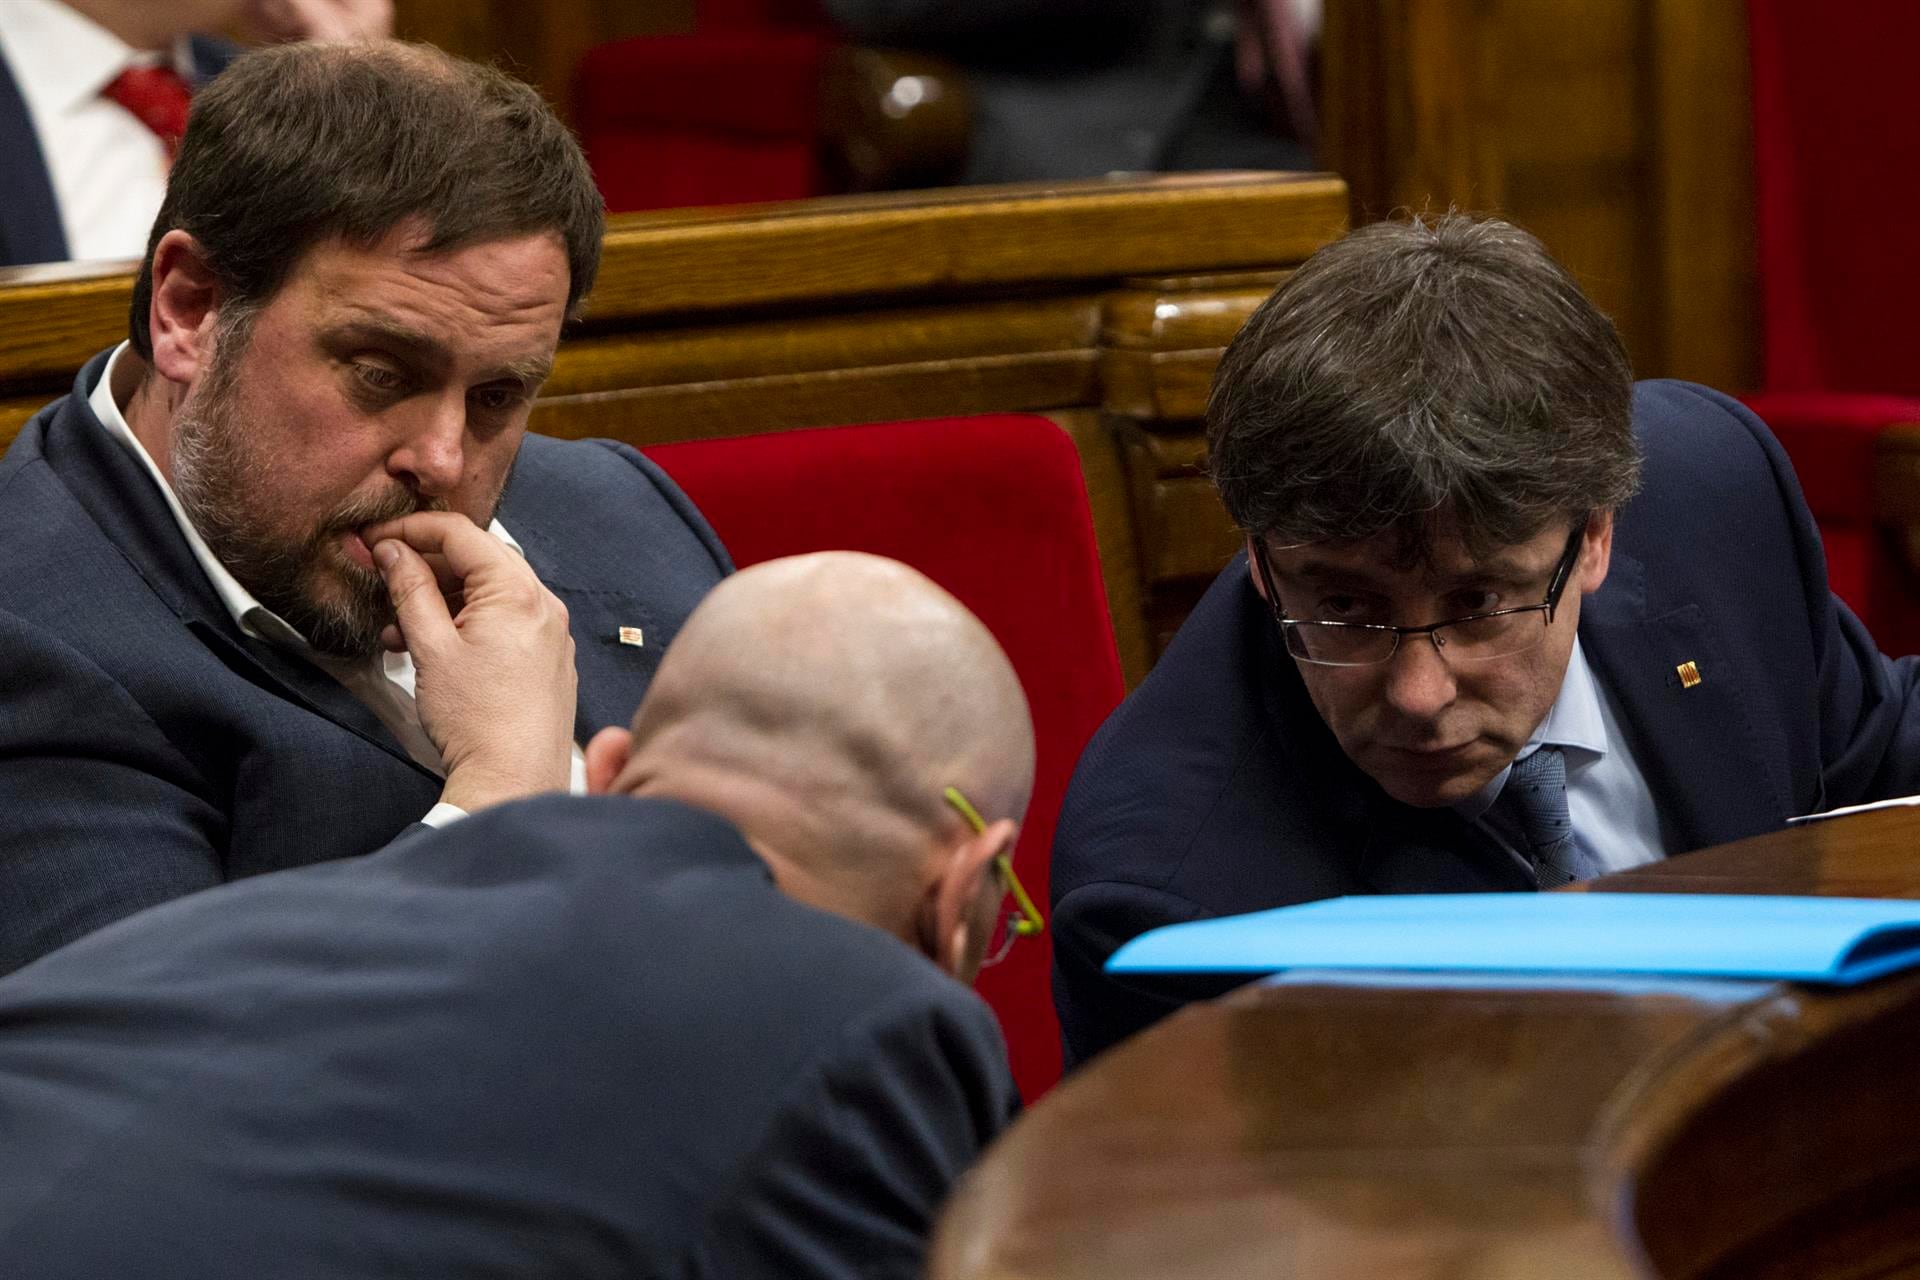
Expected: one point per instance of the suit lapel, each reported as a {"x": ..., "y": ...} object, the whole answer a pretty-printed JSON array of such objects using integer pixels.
[
  {"x": 617, "y": 642},
  {"x": 121, "y": 499},
  {"x": 1694, "y": 741},
  {"x": 30, "y": 227}
]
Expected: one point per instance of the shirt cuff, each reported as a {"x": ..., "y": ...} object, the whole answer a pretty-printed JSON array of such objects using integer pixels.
[{"x": 443, "y": 815}]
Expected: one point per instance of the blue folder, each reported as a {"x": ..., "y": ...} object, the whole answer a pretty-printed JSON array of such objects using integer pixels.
[{"x": 1838, "y": 941}]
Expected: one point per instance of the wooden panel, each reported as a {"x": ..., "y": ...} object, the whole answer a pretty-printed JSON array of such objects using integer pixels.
[
  {"x": 1105, "y": 304},
  {"x": 542, "y": 43},
  {"x": 1616, "y": 130},
  {"x": 964, "y": 240}
]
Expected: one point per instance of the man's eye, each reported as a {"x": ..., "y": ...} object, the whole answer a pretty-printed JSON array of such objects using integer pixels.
[
  {"x": 1482, "y": 600},
  {"x": 495, "y": 399},
  {"x": 1342, "y": 609},
  {"x": 378, "y": 377}
]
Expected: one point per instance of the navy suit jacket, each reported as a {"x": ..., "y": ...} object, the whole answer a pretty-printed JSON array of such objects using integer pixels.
[
  {"x": 1217, "y": 789},
  {"x": 30, "y": 226},
  {"x": 148, "y": 748},
  {"x": 565, "y": 1037}
]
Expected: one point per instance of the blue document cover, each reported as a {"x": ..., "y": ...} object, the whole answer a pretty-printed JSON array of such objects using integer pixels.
[{"x": 1838, "y": 941}]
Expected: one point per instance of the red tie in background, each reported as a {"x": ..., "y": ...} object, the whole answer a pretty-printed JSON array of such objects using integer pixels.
[{"x": 157, "y": 97}]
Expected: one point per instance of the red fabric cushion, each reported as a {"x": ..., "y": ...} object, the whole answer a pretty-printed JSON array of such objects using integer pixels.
[
  {"x": 1831, "y": 439},
  {"x": 669, "y": 169},
  {"x": 994, "y": 509},
  {"x": 765, "y": 83}
]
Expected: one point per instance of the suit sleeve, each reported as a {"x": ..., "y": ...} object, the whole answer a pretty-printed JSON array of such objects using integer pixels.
[
  {"x": 1098, "y": 1010},
  {"x": 1868, "y": 703},
  {"x": 676, "y": 498},
  {"x": 100, "y": 814},
  {"x": 866, "y": 1148}
]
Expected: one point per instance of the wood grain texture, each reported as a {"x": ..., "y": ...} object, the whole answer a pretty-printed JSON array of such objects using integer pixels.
[
  {"x": 1435, "y": 1128},
  {"x": 1616, "y": 130},
  {"x": 1104, "y": 303}
]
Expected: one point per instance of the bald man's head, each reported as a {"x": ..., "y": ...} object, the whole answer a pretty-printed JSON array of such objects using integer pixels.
[{"x": 822, "y": 704}]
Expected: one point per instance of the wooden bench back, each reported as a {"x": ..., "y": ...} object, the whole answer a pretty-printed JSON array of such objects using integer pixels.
[{"x": 1104, "y": 305}]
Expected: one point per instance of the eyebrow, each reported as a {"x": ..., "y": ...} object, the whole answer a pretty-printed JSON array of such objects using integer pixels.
[
  {"x": 530, "y": 372},
  {"x": 1320, "y": 573}
]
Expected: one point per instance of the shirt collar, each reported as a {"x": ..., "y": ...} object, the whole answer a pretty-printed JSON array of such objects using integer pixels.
[
  {"x": 1573, "y": 723},
  {"x": 63, "y": 59},
  {"x": 253, "y": 618}
]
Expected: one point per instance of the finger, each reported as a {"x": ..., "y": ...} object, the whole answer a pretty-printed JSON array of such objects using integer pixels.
[
  {"x": 422, "y": 611},
  {"x": 463, "y": 546},
  {"x": 392, "y": 639}
]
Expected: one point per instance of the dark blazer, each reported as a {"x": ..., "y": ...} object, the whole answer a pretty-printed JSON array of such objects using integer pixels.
[
  {"x": 148, "y": 748},
  {"x": 566, "y": 1037},
  {"x": 1216, "y": 788},
  {"x": 30, "y": 226}
]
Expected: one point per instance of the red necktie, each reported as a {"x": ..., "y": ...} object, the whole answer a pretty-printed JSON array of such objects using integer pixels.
[{"x": 157, "y": 98}]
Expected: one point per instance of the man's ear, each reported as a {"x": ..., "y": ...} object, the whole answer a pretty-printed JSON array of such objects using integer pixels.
[
  {"x": 184, "y": 310},
  {"x": 1596, "y": 554},
  {"x": 606, "y": 753},
  {"x": 1253, "y": 571},
  {"x": 961, "y": 928}
]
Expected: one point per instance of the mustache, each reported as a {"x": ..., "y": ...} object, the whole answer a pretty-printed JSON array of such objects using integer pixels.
[{"x": 373, "y": 508}]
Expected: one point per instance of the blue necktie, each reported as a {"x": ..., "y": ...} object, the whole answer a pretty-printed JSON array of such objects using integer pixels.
[{"x": 1536, "y": 795}]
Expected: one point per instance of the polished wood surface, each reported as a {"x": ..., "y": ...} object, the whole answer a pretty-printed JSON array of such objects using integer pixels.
[
  {"x": 1353, "y": 1126},
  {"x": 1102, "y": 304}
]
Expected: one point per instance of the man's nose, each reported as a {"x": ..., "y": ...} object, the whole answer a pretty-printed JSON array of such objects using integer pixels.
[
  {"x": 1420, "y": 681},
  {"x": 431, "y": 458}
]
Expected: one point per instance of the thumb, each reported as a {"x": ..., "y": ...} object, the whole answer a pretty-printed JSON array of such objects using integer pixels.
[{"x": 417, "y": 603}]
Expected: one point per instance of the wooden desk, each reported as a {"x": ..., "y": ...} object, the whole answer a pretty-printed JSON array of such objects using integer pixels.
[
  {"x": 1104, "y": 305},
  {"x": 1558, "y": 1131}
]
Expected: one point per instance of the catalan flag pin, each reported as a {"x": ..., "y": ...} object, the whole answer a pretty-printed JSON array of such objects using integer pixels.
[
  {"x": 635, "y": 637},
  {"x": 1689, "y": 674}
]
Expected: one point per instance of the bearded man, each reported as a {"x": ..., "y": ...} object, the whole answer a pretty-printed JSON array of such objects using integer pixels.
[{"x": 353, "y": 290}]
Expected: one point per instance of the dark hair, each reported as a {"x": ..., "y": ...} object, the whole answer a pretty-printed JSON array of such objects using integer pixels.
[
  {"x": 1418, "y": 373},
  {"x": 301, "y": 143}
]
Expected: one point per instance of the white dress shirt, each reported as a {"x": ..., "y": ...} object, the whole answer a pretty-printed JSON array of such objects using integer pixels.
[
  {"x": 383, "y": 683},
  {"x": 1615, "y": 821},
  {"x": 109, "y": 171}
]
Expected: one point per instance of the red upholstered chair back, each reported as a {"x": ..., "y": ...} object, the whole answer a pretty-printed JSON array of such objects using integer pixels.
[
  {"x": 727, "y": 113},
  {"x": 1836, "y": 176},
  {"x": 1837, "y": 180},
  {"x": 993, "y": 509}
]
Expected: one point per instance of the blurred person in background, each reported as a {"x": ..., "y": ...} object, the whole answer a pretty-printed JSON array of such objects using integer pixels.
[
  {"x": 1084, "y": 88},
  {"x": 93, "y": 102}
]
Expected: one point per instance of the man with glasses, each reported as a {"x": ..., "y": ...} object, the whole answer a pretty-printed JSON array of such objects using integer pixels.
[
  {"x": 710, "y": 1020},
  {"x": 1505, "y": 621}
]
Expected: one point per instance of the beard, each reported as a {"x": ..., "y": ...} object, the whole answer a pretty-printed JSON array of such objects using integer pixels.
[{"x": 225, "y": 485}]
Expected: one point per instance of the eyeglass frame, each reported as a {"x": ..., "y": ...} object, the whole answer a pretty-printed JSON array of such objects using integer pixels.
[
  {"x": 1562, "y": 573},
  {"x": 1024, "y": 920}
]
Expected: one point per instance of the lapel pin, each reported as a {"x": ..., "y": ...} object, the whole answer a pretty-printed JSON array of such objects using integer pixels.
[
  {"x": 1689, "y": 675},
  {"x": 634, "y": 637}
]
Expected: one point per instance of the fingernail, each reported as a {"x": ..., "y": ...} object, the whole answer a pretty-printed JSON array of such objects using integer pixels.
[{"x": 385, "y": 553}]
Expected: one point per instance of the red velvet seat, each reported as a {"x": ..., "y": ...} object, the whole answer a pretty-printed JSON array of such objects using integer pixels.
[
  {"x": 1837, "y": 175},
  {"x": 724, "y": 114},
  {"x": 993, "y": 509}
]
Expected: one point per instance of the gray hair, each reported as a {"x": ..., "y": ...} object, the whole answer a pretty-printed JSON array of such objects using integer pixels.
[{"x": 1420, "y": 374}]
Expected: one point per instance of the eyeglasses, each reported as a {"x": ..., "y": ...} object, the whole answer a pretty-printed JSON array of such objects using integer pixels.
[
  {"x": 1023, "y": 919},
  {"x": 1477, "y": 637}
]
